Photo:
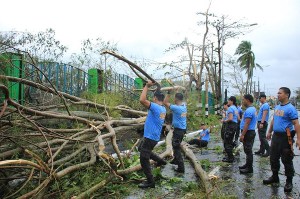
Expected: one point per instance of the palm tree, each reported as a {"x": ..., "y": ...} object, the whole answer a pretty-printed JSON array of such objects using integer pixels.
[{"x": 247, "y": 61}]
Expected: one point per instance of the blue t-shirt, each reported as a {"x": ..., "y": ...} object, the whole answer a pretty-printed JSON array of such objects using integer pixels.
[
  {"x": 205, "y": 135},
  {"x": 179, "y": 116},
  {"x": 154, "y": 121},
  {"x": 226, "y": 115},
  {"x": 283, "y": 116},
  {"x": 234, "y": 111},
  {"x": 249, "y": 113},
  {"x": 264, "y": 107}
]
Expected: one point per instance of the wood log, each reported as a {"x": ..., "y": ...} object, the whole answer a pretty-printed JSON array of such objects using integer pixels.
[{"x": 204, "y": 179}]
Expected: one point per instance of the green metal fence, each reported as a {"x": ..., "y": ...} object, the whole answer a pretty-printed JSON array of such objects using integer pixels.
[{"x": 11, "y": 64}]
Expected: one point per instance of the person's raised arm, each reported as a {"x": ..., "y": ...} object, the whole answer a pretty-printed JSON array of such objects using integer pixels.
[
  {"x": 143, "y": 97},
  {"x": 167, "y": 100}
]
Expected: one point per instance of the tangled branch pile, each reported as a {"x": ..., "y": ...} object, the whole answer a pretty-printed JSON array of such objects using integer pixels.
[{"x": 34, "y": 155}]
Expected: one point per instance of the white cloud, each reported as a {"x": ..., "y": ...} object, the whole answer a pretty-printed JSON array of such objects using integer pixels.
[{"x": 146, "y": 28}]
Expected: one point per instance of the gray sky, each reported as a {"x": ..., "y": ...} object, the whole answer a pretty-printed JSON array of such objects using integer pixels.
[{"x": 144, "y": 29}]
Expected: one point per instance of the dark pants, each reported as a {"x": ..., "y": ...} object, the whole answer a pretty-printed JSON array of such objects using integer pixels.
[
  {"x": 237, "y": 133},
  {"x": 228, "y": 138},
  {"x": 264, "y": 145},
  {"x": 248, "y": 145},
  {"x": 280, "y": 148},
  {"x": 223, "y": 129},
  {"x": 178, "y": 135},
  {"x": 145, "y": 148},
  {"x": 200, "y": 143}
]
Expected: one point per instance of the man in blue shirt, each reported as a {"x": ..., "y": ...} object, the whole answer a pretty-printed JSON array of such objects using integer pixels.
[
  {"x": 231, "y": 127},
  {"x": 285, "y": 117},
  {"x": 179, "y": 124},
  {"x": 203, "y": 138},
  {"x": 238, "y": 130},
  {"x": 262, "y": 125},
  {"x": 247, "y": 127},
  {"x": 152, "y": 130}
]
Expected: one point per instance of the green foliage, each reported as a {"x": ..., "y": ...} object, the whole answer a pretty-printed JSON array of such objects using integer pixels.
[
  {"x": 190, "y": 186},
  {"x": 205, "y": 163},
  {"x": 75, "y": 184},
  {"x": 43, "y": 45},
  {"x": 194, "y": 120},
  {"x": 133, "y": 160},
  {"x": 108, "y": 99},
  {"x": 218, "y": 149}
]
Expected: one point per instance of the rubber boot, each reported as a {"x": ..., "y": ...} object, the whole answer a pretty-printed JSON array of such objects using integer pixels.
[
  {"x": 180, "y": 168},
  {"x": 259, "y": 152},
  {"x": 243, "y": 167},
  {"x": 289, "y": 184},
  {"x": 147, "y": 184},
  {"x": 229, "y": 158},
  {"x": 267, "y": 154},
  {"x": 248, "y": 169},
  {"x": 273, "y": 179}
]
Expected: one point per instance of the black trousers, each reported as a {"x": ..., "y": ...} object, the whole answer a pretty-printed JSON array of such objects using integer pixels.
[
  {"x": 237, "y": 132},
  {"x": 248, "y": 145},
  {"x": 200, "y": 143},
  {"x": 280, "y": 148},
  {"x": 264, "y": 145},
  {"x": 145, "y": 148},
  {"x": 223, "y": 129},
  {"x": 178, "y": 135},
  {"x": 228, "y": 138}
]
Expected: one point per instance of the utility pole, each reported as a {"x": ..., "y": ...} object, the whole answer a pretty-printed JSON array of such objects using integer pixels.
[
  {"x": 258, "y": 88},
  {"x": 222, "y": 68}
]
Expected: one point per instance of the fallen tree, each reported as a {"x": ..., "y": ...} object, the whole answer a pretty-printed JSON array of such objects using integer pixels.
[{"x": 40, "y": 155}]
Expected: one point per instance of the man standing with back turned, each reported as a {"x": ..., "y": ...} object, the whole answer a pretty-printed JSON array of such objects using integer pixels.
[
  {"x": 285, "y": 116},
  {"x": 179, "y": 124},
  {"x": 152, "y": 130}
]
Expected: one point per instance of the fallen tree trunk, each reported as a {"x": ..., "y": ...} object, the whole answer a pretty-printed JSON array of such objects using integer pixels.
[{"x": 204, "y": 179}]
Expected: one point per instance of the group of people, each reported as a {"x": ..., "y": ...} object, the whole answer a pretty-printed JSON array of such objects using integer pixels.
[
  {"x": 153, "y": 127},
  {"x": 281, "y": 132},
  {"x": 236, "y": 125}
]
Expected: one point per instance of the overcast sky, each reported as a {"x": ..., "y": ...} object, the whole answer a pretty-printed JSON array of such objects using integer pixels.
[{"x": 144, "y": 29}]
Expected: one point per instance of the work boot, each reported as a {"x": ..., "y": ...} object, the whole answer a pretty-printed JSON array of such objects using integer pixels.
[
  {"x": 174, "y": 162},
  {"x": 259, "y": 152},
  {"x": 288, "y": 185},
  {"x": 227, "y": 159},
  {"x": 179, "y": 170},
  {"x": 246, "y": 170},
  {"x": 266, "y": 154},
  {"x": 161, "y": 163},
  {"x": 243, "y": 167},
  {"x": 147, "y": 184},
  {"x": 271, "y": 180}
]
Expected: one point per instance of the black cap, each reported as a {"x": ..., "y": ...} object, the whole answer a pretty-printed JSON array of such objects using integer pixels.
[{"x": 262, "y": 95}]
